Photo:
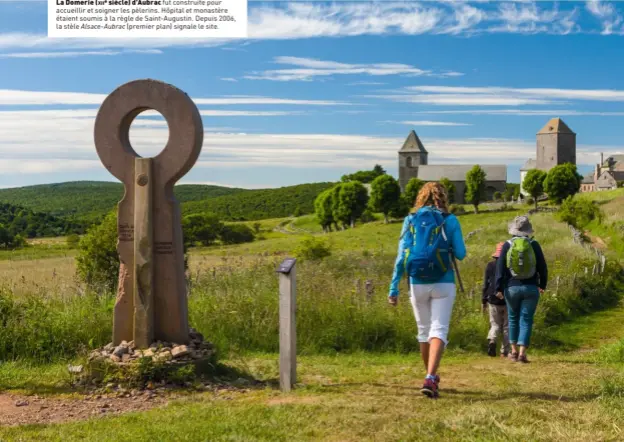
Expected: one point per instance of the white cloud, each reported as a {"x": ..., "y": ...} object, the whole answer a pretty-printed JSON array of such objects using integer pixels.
[
  {"x": 497, "y": 96},
  {"x": 308, "y": 68},
  {"x": 296, "y": 20},
  {"x": 11, "y": 97},
  {"x": 524, "y": 112},
  {"x": 427, "y": 123},
  {"x": 233, "y": 80},
  {"x": 73, "y": 54},
  {"x": 36, "y": 142},
  {"x": 607, "y": 14}
]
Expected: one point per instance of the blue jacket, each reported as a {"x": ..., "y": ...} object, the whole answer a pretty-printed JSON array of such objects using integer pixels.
[{"x": 456, "y": 241}]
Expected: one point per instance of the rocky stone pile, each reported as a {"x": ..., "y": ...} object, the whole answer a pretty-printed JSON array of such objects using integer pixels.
[{"x": 160, "y": 351}]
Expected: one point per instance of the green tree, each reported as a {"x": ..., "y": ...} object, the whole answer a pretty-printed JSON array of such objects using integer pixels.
[
  {"x": 364, "y": 176},
  {"x": 385, "y": 194},
  {"x": 323, "y": 207},
  {"x": 562, "y": 181},
  {"x": 450, "y": 189},
  {"x": 579, "y": 212},
  {"x": 533, "y": 183},
  {"x": 236, "y": 234},
  {"x": 475, "y": 186},
  {"x": 411, "y": 191},
  {"x": 201, "y": 227},
  {"x": 352, "y": 201}
]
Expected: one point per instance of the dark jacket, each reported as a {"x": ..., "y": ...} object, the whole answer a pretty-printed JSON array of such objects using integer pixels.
[
  {"x": 503, "y": 275},
  {"x": 489, "y": 289}
]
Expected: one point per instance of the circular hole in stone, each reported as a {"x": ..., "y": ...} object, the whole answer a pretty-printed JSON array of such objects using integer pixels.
[{"x": 148, "y": 134}]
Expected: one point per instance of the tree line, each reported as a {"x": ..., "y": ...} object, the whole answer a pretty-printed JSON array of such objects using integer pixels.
[{"x": 559, "y": 183}]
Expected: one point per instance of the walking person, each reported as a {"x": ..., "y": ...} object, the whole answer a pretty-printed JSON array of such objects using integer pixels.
[
  {"x": 499, "y": 324},
  {"x": 522, "y": 275},
  {"x": 428, "y": 238}
]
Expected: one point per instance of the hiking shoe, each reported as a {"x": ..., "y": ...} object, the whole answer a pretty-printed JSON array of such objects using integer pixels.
[
  {"x": 513, "y": 357},
  {"x": 492, "y": 349},
  {"x": 430, "y": 388},
  {"x": 523, "y": 359}
]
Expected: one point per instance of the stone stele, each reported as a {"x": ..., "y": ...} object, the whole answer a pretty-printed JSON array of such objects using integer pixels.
[{"x": 151, "y": 300}]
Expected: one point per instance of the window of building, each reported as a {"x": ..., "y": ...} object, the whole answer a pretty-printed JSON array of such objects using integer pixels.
[{"x": 408, "y": 162}]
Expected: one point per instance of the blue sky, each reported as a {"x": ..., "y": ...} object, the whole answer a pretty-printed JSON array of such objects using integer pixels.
[{"x": 322, "y": 89}]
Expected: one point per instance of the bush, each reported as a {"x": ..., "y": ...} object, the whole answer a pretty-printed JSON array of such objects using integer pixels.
[
  {"x": 529, "y": 200},
  {"x": 457, "y": 209},
  {"x": 97, "y": 262},
  {"x": 498, "y": 196},
  {"x": 236, "y": 234},
  {"x": 579, "y": 212},
  {"x": 201, "y": 228},
  {"x": 313, "y": 249},
  {"x": 367, "y": 216},
  {"x": 72, "y": 241}
]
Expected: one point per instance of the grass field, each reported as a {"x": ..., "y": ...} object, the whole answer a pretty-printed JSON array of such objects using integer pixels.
[{"x": 359, "y": 370}]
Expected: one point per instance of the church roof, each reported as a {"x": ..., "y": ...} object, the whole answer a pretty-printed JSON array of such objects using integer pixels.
[
  {"x": 555, "y": 126},
  {"x": 588, "y": 179},
  {"x": 413, "y": 144},
  {"x": 457, "y": 172},
  {"x": 529, "y": 165}
]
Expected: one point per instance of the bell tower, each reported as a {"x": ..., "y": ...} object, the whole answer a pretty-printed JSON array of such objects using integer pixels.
[
  {"x": 411, "y": 155},
  {"x": 556, "y": 144}
]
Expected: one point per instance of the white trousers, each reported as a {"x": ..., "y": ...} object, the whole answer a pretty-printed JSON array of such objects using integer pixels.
[{"x": 433, "y": 306}]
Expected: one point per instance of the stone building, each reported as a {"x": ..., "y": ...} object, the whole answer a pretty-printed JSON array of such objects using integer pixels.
[
  {"x": 606, "y": 175},
  {"x": 556, "y": 144},
  {"x": 414, "y": 163}
]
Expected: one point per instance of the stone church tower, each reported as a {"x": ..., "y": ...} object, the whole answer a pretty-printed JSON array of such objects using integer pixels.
[
  {"x": 411, "y": 155},
  {"x": 556, "y": 144}
]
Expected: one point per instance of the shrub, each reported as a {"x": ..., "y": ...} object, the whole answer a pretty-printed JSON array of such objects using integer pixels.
[
  {"x": 313, "y": 249},
  {"x": 97, "y": 262},
  {"x": 72, "y": 241},
  {"x": 201, "y": 228},
  {"x": 236, "y": 234},
  {"x": 367, "y": 216},
  {"x": 457, "y": 209},
  {"x": 498, "y": 196},
  {"x": 530, "y": 201},
  {"x": 579, "y": 212},
  {"x": 257, "y": 227}
]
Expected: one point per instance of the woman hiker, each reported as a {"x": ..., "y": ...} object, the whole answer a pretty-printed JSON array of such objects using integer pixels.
[
  {"x": 499, "y": 324},
  {"x": 428, "y": 236},
  {"x": 522, "y": 275}
]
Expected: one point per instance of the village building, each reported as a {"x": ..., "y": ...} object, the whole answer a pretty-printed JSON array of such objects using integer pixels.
[
  {"x": 414, "y": 163},
  {"x": 555, "y": 145},
  {"x": 606, "y": 175}
]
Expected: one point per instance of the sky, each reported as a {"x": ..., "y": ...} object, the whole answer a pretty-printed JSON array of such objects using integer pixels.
[{"x": 321, "y": 89}]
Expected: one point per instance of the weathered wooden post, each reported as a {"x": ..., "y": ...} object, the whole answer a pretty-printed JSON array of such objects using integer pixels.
[
  {"x": 152, "y": 293},
  {"x": 288, "y": 324}
]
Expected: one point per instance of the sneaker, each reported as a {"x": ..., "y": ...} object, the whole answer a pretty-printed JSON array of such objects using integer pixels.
[
  {"x": 513, "y": 357},
  {"x": 523, "y": 359},
  {"x": 492, "y": 349},
  {"x": 430, "y": 388}
]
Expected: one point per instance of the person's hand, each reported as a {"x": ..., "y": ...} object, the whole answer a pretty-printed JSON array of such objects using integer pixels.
[
  {"x": 499, "y": 295},
  {"x": 541, "y": 290},
  {"x": 393, "y": 300}
]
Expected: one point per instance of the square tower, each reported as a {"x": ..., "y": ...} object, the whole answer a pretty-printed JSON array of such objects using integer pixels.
[
  {"x": 411, "y": 155},
  {"x": 556, "y": 144}
]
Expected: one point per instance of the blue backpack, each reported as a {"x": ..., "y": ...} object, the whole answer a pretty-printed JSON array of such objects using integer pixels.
[{"x": 427, "y": 258}]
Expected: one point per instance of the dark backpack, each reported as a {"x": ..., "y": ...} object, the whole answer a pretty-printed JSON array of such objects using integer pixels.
[{"x": 427, "y": 258}]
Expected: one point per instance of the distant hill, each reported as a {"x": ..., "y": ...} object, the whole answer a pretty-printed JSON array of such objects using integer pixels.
[
  {"x": 87, "y": 201},
  {"x": 260, "y": 204},
  {"x": 16, "y": 220}
]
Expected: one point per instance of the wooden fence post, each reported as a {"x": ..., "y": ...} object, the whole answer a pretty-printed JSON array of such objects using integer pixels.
[{"x": 288, "y": 325}]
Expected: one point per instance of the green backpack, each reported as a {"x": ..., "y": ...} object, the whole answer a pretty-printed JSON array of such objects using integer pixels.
[{"x": 521, "y": 258}]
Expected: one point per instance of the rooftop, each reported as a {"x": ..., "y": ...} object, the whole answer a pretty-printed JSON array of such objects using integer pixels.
[
  {"x": 555, "y": 126},
  {"x": 413, "y": 144}
]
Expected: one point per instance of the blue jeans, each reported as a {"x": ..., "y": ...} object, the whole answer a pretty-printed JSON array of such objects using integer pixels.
[{"x": 521, "y": 304}]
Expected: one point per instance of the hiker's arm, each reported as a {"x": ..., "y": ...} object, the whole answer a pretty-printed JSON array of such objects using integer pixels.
[
  {"x": 501, "y": 269},
  {"x": 457, "y": 240},
  {"x": 486, "y": 284},
  {"x": 541, "y": 266},
  {"x": 397, "y": 274}
]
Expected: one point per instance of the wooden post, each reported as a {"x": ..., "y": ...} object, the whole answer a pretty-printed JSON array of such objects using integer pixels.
[
  {"x": 143, "y": 331},
  {"x": 288, "y": 328}
]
